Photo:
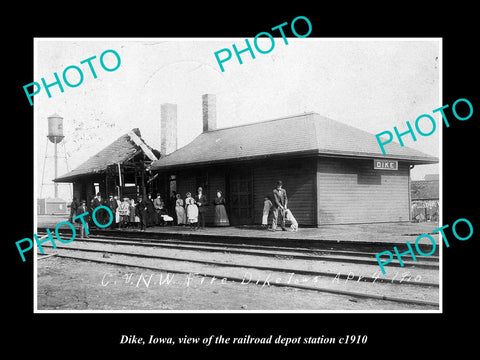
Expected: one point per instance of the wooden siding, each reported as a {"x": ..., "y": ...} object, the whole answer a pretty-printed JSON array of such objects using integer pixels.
[
  {"x": 186, "y": 183},
  {"x": 78, "y": 191},
  {"x": 351, "y": 191},
  {"x": 83, "y": 189},
  {"x": 298, "y": 177}
]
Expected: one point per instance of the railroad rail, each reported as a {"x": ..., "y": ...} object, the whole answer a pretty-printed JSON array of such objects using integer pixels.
[
  {"x": 131, "y": 252},
  {"x": 268, "y": 241},
  {"x": 358, "y": 257}
]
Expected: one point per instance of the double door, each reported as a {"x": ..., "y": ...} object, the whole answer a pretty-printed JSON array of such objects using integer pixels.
[{"x": 240, "y": 191}]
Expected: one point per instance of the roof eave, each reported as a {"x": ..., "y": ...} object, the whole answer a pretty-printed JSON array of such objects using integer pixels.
[
  {"x": 73, "y": 178},
  {"x": 69, "y": 178},
  {"x": 409, "y": 159},
  {"x": 233, "y": 160},
  {"x": 412, "y": 159}
]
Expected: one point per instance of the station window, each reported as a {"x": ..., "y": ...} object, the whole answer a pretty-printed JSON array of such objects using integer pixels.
[
  {"x": 173, "y": 183},
  {"x": 202, "y": 181},
  {"x": 97, "y": 188},
  {"x": 369, "y": 179}
]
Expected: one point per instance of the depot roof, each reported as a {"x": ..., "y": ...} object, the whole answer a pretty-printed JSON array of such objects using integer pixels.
[
  {"x": 304, "y": 134},
  {"x": 121, "y": 150}
]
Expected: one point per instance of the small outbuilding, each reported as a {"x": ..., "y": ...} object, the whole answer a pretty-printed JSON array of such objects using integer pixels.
[
  {"x": 425, "y": 198},
  {"x": 50, "y": 206}
]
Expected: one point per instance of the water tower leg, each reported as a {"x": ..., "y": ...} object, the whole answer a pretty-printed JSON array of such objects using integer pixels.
[
  {"x": 56, "y": 170},
  {"x": 43, "y": 171}
]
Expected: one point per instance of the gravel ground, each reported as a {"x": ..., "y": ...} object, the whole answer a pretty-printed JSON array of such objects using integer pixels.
[
  {"x": 422, "y": 275},
  {"x": 81, "y": 285},
  {"x": 66, "y": 284}
]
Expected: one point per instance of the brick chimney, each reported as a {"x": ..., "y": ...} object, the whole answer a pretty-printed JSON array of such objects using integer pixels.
[
  {"x": 209, "y": 107},
  {"x": 168, "y": 128}
]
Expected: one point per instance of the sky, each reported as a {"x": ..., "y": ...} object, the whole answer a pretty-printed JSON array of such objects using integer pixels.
[{"x": 371, "y": 84}]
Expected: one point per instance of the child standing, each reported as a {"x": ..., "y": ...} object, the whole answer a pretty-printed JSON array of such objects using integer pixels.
[
  {"x": 192, "y": 210},
  {"x": 267, "y": 205},
  {"x": 124, "y": 212}
]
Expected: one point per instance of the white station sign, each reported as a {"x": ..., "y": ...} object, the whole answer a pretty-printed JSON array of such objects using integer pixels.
[{"x": 382, "y": 164}]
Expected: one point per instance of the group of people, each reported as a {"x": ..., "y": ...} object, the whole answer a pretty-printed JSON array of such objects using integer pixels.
[
  {"x": 141, "y": 214},
  {"x": 148, "y": 212},
  {"x": 190, "y": 211}
]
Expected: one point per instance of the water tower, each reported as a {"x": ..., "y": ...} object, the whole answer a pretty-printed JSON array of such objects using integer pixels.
[
  {"x": 54, "y": 136},
  {"x": 55, "y": 128}
]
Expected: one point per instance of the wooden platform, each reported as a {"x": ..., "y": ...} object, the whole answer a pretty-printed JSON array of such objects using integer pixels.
[{"x": 369, "y": 233}]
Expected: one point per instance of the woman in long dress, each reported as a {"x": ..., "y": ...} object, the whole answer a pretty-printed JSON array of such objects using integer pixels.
[
  {"x": 221, "y": 217},
  {"x": 117, "y": 211},
  {"x": 180, "y": 210},
  {"x": 192, "y": 210},
  {"x": 131, "y": 208},
  {"x": 151, "y": 214}
]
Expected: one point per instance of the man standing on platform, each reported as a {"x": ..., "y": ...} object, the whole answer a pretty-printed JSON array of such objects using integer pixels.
[
  {"x": 280, "y": 202},
  {"x": 82, "y": 208},
  {"x": 141, "y": 212},
  {"x": 171, "y": 206},
  {"x": 73, "y": 209},
  {"x": 201, "y": 201},
  {"x": 100, "y": 215},
  {"x": 112, "y": 204}
]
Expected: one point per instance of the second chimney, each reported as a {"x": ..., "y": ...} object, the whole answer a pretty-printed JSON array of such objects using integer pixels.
[
  {"x": 209, "y": 107},
  {"x": 168, "y": 128}
]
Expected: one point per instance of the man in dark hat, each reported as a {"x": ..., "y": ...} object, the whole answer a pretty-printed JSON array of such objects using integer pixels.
[
  {"x": 280, "y": 202},
  {"x": 112, "y": 204},
  {"x": 201, "y": 201},
  {"x": 100, "y": 215},
  {"x": 171, "y": 206},
  {"x": 73, "y": 209},
  {"x": 82, "y": 208}
]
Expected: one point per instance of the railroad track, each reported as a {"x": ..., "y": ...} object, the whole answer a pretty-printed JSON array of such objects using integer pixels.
[
  {"x": 195, "y": 237},
  {"x": 344, "y": 256},
  {"x": 221, "y": 260}
]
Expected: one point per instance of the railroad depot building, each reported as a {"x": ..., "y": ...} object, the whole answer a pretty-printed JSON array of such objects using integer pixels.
[{"x": 333, "y": 173}]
